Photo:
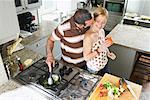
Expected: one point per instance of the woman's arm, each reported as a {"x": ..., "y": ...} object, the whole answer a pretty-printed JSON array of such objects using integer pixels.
[{"x": 87, "y": 48}]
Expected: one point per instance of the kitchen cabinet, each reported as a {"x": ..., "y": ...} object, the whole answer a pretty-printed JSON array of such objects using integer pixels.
[
  {"x": 116, "y": 10},
  {"x": 123, "y": 64},
  {"x": 3, "y": 76},
  {"x": 141, "y": 7},
  {"x": 40, "y": 48},
  {"x": 25, "y": 5},
  {"x": 9, "y": 26}
]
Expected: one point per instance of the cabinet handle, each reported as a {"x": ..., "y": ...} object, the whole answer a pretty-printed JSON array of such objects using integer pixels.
[
  {"x": 37, "y": 45},
  {"x": 136, "y": 23}
]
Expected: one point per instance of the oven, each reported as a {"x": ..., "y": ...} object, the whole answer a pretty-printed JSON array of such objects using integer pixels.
[
  {"x": 116, "y": 6},
  {"x": 116, "y": 10}
]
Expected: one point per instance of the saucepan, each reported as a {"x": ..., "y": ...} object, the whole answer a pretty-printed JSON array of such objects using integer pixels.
[{"x": 50, "y": 79}]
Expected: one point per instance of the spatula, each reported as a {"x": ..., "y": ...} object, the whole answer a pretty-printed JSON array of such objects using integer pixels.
[{"x": 50, "y": 80}]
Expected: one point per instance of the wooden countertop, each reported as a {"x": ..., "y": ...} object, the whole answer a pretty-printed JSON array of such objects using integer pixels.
[
  {"x": 134, "y": 37},
  {"x": 114, "y": 80}
]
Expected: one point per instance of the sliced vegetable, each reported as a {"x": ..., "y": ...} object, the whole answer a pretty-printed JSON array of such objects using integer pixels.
[
  {"x": 110, "y": 89},
  {"x": 55, "y": 77},
  {"x": 108, "y": 85},
  {"x": 101, "y": 86}
]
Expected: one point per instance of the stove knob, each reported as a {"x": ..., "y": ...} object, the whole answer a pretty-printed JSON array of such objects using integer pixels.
[
  {"x": 61, "y": 72},
  {"x": 70, "y": 70},
  {"x": 64, "y": 68},
  {"x": 56, "y": 64},
  {"x": 67, "y": 72}
]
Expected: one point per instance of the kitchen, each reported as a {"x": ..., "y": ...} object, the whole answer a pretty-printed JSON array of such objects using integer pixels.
[{"x": 33, "y": 45}]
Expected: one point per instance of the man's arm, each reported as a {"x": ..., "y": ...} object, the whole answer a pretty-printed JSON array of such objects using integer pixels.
[{"x": 49, "y": 48}]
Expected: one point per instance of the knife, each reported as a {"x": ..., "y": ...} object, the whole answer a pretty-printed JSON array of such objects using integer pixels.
[{"x": 130, "y": 89}]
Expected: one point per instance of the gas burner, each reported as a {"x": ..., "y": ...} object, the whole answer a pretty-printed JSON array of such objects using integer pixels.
[
  {"x": 73, "y": 93},
  {"x": 65, "y": 71},
  {"x": 56, "y": 87},
  {"x": 80, "y": 87},
  {"x": 41, "y": 64},
  {"x": 31, "y": 74}
]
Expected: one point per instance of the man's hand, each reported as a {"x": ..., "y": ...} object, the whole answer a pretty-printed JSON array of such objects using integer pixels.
[
  {"x": 111, "y": 55},
  {"x": 50, "y": 62}
]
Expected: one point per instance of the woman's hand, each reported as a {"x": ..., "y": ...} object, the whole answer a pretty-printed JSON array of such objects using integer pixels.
[
  {"x": 111, "y": 55},
  {"x": 108, "y": 42},
  {"x": 102, "y": 48}
]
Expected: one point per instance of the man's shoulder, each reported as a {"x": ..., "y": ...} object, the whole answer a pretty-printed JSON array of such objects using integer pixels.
[{"x": 64, "y": 26}]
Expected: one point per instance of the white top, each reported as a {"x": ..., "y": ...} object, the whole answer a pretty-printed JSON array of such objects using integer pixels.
[{"x": 99, "y": 61}]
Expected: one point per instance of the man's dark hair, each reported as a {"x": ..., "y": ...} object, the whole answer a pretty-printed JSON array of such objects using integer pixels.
[{"x": 82, "y": 15}]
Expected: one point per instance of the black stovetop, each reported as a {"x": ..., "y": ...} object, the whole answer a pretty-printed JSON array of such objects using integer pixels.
[
  {"x": 33, "y": 73},
  {"x": 38, "y": 73},
  {"x": 73, "y": 82}
]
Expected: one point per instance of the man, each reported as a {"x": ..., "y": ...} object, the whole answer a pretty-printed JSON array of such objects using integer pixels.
[{"x": 70, "y": 34}]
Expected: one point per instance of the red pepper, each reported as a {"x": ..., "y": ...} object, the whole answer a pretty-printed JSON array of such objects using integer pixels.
[
  {"x": 101, "y": 94},
  {"x": 101, "y": 86}
]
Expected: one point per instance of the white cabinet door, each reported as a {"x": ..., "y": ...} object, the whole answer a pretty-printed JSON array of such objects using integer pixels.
[
  {"x": 32, "y": 4},
  {"x": 9, "y": 27},
  {"x": 39, "y": 46},
  {"x": 123, "y": 64},
  {"x": 19, "y": 5},
  {"x": 25, "y": 5},
  {"x": 3, "y": 75}
]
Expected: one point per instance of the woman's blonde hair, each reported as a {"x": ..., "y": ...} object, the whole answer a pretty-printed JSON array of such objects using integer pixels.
[{"x": 100, "y": 11}]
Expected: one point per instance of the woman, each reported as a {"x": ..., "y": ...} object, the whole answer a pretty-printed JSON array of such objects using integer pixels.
[{"x": 95, "y": 47}]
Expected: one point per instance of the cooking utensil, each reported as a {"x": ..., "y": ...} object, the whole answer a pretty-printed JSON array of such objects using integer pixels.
[
  {"x": 121, "y": 88},
  {"x": 130, "y": 89},
  {"x": 50, "y": 80},
  {"x": 53, "y": 77}
]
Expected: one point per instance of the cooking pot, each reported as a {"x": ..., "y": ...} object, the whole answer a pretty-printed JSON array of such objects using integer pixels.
[{"x": 44, "y": 80}]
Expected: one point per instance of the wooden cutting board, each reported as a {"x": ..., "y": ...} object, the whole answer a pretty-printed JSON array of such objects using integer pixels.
[{"x": 114, "y": 80}]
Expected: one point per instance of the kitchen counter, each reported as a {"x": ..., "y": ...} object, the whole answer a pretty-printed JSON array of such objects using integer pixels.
[
  {"x": 45, "y": 29},
  {"x": 8, "y": 86},
  {"x": 134, "y": 37},
  {"x": 25, "y": 92},
  {"x": 128, "y": 39}
]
